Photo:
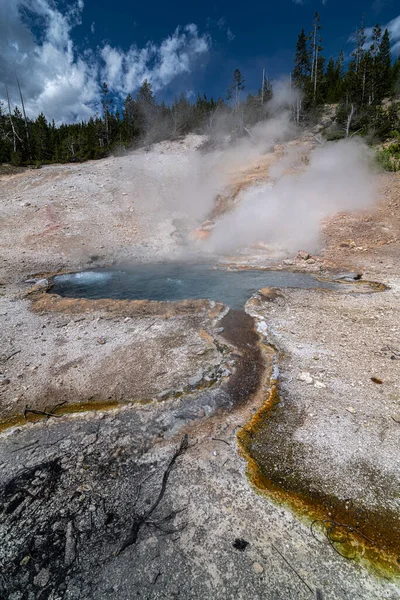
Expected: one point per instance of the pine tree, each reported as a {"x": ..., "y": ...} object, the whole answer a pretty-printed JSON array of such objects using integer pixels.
[
  {"x": 91, "y": 143},
  {"x": 41, "y": 139},
  {"x": 106, "y": 102},
  {"x": 302, "y": 67},
  {"x": 145, "y": 96},
  {"x": 130, "y": 119},
  {"x": 395, "y": 77},
  {"x": 350, "y": 83},
  {"x": 182, "y": 115},
  {"x": 5, "y": 143},
  {"x": 360, "y": 39},
  {"x": 374, "y": 63},
  {"x": 149, "y": 124},
  {"x": 384, "y": 83},
  {"x": 235, "y": 88},
  {"x": 340, "y": 73},
  {"x": 358, "y": 72},
  {"x": 340, "y": 65}
]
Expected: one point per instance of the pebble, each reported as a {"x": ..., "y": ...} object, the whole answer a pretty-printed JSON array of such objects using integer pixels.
[
  {"x": 302, "y": 254},
  {"x": 224, "y": 372},
  {"x": 70, "y": 551},
  {"x": 42, "y": 578},
  {"x": 306, "y": 377},
  {"x": 196, "y": 379},
  {"x": 66, "y": 443},
  {"x": 319, "y": 384},
  {"x": 42, "y": 283},
  {"x": 89, "y": 439},
  {"x": 257, "y": 568}
]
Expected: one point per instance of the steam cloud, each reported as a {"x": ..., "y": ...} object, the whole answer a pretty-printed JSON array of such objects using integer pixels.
[
  {"x": 202, "y": 177},
  {"x": 289, "y": 213},
  {"x": 285, "y": 213}
]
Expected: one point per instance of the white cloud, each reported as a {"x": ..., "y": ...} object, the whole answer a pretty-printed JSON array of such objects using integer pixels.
[
  {"x": 64, "y": 83},
  {"x": 125, "y": 71},
  {"x": 230, "y": 35},
  {"x": 223, "y": 26},
  {"x": 53, "y": 78},
  {"x": 394, "y": 31},
  {"x": 93, "y": 27}
]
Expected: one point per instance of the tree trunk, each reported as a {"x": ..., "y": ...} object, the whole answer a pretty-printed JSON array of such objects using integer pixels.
[
  {"x": 313, "y": 52},
  {"x": 363, "y": 86},
  {"x": 262, "y": 87},
  {"x": 15, "y": 135},
  {"x": 26, "y": 121},
  {"x": 316, "y": 72},
  {"x": 349, "y": 120}
]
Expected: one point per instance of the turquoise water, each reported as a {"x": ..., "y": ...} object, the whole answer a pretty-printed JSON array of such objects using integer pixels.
[{"x": 179, "y": 281}]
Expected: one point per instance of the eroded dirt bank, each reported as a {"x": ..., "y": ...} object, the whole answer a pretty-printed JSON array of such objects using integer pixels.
[{"x": 71, "y": 486}]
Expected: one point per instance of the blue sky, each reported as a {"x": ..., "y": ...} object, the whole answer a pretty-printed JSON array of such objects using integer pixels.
[
  {"x": 62, "y": 49},
  {"x": 265, "y": 35}
]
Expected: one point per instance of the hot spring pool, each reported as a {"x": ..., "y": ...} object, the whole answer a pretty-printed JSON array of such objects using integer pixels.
[{"x": 179, "y": 281}]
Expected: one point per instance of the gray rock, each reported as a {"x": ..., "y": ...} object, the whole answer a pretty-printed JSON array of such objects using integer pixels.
[
  {"x": 306, "y": 377},
  {"x": 303, "y": 255},
  {"x": 42, "y": 578},
  {"x": 89, "y": 439},
  {"x": 319, "y": 384},
  {"x": 349, "y": 276},
  {"x": 196, "y": 379},
  {"x": 41, "y": 283},
  {"x": 257, "y": 568},
  {"x": 224, "y": 372},
  {"x": 70, "y": 550},
  {"x": 165, "y": 394},
  {"x": 15, "y": 596}
]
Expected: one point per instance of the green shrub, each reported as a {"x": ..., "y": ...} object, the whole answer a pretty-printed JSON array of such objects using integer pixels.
[
  {"x": 389, "y": 158},
  {"x": 16, "y": 159},
  {"x": 334, "y": 134}
]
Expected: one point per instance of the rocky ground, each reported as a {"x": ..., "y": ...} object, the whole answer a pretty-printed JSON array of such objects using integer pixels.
[{"x": 91, "y": 505}]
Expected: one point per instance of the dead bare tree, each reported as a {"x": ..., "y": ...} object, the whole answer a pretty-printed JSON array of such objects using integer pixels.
[
  {"x": 25, "y": 119},
  {"x": 316, "y": 39},
  {"x": 262, "y": 87},
  {"x": 14, "y": 131},
  {"x": 349, "y": 120}
]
